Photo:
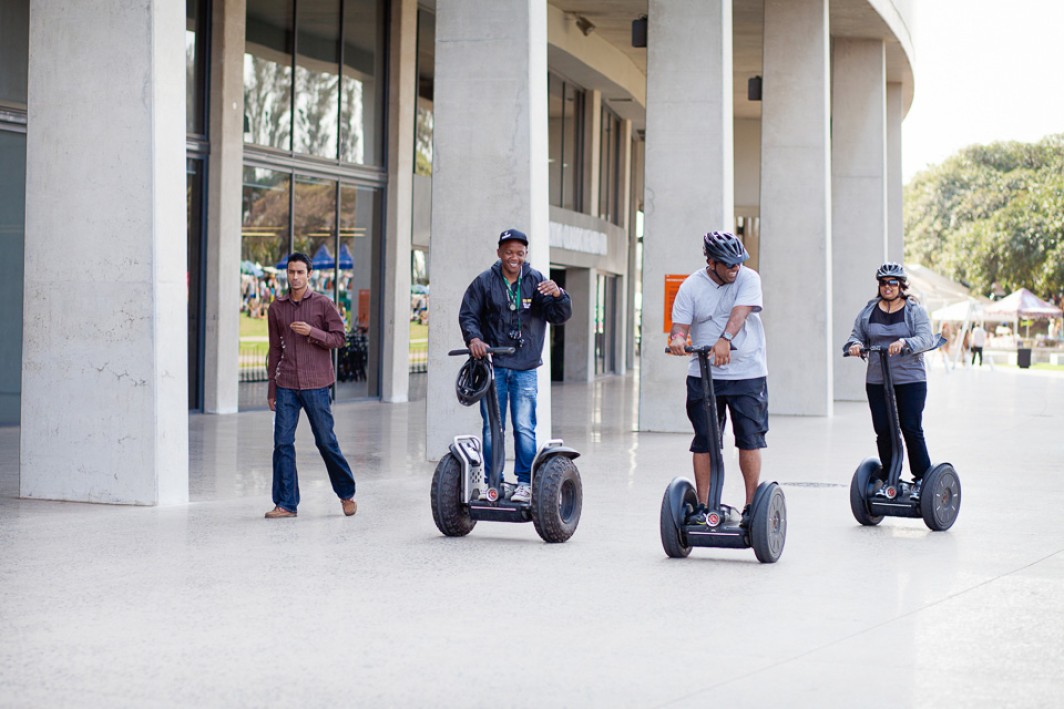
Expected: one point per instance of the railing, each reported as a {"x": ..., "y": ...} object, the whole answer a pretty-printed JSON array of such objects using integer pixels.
[{"x": 252, "y": 362}]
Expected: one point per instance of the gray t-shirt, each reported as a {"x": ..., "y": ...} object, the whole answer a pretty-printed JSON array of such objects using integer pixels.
[
  {"x": 706, "y": 307},
  {"x": 904, "y": 368}
]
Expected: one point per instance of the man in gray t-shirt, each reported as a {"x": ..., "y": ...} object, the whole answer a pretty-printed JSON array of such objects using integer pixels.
[{"x": 719, "y": 306}]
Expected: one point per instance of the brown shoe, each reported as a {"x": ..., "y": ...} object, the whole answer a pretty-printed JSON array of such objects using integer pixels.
[
  {"x": 350, "y": 507},
  {"x": 279, "y": 513}
]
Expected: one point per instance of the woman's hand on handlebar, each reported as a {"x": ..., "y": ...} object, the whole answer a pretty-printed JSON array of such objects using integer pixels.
[
  {"x": 477, "y": 348},
  {"x": 896, "y": 347},
  {"x": 855, "y": 350}
]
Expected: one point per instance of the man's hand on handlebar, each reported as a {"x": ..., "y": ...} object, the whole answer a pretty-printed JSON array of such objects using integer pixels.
[
  {"x": 677, "y": 343},
  {"x": 721, "y": 352},
  {"x": 477, "y": 348}
]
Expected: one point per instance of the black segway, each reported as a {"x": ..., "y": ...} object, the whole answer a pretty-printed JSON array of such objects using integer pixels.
[
  {"x": 872, "y": 497},
  {"x": 764, "y": 529},
  {"x": 463, "y": 493}
]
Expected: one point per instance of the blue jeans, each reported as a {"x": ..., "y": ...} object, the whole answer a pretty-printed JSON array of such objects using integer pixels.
[
  {"x": 518, "y": 388},
  {"x": 286, "y": 417}
]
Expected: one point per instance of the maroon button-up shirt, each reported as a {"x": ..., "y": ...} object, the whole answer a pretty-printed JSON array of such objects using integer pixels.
[{"x": 303, "y": 361}]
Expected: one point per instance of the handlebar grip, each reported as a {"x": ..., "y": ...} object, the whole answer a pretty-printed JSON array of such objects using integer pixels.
[{"x": 491, "y": 350}]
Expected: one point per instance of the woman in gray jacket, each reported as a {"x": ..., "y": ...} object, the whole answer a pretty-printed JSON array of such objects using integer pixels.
[{"x": 894, "y": 321}]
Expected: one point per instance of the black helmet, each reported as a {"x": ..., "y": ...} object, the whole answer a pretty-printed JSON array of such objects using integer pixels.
[
  {"x": 892, "y": 270},
  {"x": 724, "y": 247},
  {"x": 473, "y": 381}
]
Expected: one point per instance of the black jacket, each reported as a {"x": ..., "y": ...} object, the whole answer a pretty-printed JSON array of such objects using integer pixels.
[{"x": 486, "y": 314}]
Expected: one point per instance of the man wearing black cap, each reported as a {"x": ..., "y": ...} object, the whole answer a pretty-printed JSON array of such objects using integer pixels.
[{"x": 509, "y": 305}]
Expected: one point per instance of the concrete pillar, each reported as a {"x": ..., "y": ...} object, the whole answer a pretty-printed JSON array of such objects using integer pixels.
[
  {"x": 622, "y": 331},
  {"x": 104, "y": 368},
  {"x": 580, "y": 330},
  {"x": 402, "y": 99},
  {"x": 689, "y": 176},
  {"x": 225, "y": 185},
  {"x": 489, "y": 173},
  {"x": 895, "y": 215},
  {"x": 859, "y": 192},
  {"x": 795, "y": 247},
  {"x": 635, "y": 263}
]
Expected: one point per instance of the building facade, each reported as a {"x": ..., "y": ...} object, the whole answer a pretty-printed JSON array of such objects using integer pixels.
[{"x": 158, "y": 168}]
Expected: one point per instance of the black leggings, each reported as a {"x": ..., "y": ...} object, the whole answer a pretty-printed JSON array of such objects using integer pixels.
[{"x": 911, "y": 398}]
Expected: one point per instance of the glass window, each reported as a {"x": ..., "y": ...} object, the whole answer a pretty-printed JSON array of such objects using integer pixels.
[
  {"x": 573, "y": 148},
  {"x": 555, "y": 124},
  {"x": 12, "y": 241},
  {"x": 426, "y": 72},
  {"x": 264, "y": 246},
  {"x": 194, "y": 278},
  {"x": 195, "y": 66},
  {"x": 268, "y": 74},
  {"x": 14, "y": 52},
  {"x": 314, "y": 230},
  {"x": 317, "y": 77},
  {"x": 362, "y": 87},
  {"x": 609, "y": 167},
  {"x": 565, "y": 105},
  {"x": 359, "y": 291}
]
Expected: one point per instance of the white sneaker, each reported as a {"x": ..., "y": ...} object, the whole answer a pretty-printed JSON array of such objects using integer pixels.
[
  {"x": 523, "y": 493},
  {"x": 482, "y": 494}
]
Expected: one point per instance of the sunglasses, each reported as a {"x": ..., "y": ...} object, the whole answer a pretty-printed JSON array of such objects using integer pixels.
[{"x": 892, "y": 282}]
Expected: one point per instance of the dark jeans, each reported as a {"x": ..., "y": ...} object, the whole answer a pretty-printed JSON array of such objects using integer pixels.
[
  {"x": 911, "y": 398},
  {"x": 977, "y": 351},
  {"x": 286, "y": 417}
]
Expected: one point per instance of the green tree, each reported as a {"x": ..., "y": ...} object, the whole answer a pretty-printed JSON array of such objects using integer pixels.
[{"x": 992, "y": 213}]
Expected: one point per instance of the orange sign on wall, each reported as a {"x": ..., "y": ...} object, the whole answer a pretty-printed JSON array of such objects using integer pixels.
[
  {"x": 672, "y": 285},
  {"x": 363, "y": 308}
]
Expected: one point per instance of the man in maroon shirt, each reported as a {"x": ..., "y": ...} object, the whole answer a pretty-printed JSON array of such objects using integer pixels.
[{"x": 304, "y": 326}]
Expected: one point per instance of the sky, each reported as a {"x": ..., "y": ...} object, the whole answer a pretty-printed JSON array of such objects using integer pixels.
[{"x": 985, "y": 70}]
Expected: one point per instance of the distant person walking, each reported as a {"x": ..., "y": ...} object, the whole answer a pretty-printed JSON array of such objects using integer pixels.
[
  {"x": 978, "y": 342},
  {"x": 304, "y": 327}
]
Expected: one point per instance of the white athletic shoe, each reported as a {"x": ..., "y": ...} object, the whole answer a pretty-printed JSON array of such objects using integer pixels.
[{"x": 523, "y": 493}]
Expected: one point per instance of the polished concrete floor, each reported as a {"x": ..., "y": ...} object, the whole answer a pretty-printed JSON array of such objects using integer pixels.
[{"x": 210, "y": 605}]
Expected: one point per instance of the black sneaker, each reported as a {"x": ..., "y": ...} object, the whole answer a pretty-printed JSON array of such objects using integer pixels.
[
  {"x": 696, "y": 515},
  {"x": 914, "y": 494},
  {"x": 745, "y": 522}
]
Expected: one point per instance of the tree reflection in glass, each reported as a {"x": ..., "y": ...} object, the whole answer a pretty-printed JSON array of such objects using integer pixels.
[
  {"x": 268, "y": 74},
  {"x": 317, "y": 78},
  {"x": 362, "y": 84}
]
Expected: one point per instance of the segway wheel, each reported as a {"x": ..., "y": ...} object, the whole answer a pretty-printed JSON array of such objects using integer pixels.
[
  {"x": 678, "y": 496},
  {"x": 449, "y": 510},
  {"x": 940, "y": 498},
  {"x": 557, "y": 498},
  {"x": 768, "y": 523},
  {"x": 863, "y": 485}
]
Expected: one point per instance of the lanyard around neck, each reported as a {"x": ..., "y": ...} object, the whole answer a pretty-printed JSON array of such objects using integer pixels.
[{"x": 513, "y": 295}]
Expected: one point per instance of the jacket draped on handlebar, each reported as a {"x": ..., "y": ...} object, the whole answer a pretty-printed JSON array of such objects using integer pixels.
[
  {"x": 485, "y": 314},
  {"x": 916, "y": 318}
]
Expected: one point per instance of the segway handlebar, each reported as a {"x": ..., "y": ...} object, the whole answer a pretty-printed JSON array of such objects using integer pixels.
[
  {"x": 491, "y": 350},
  {"x": 939, "y": 341},
  {"x": 695, "y": 350}
]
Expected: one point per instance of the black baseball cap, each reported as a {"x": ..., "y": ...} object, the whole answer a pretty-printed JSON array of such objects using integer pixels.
[{"x": 513, "y": 235}]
